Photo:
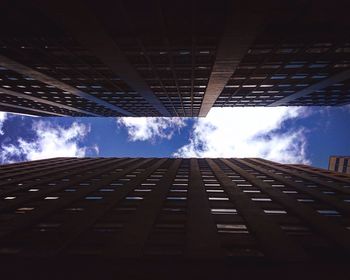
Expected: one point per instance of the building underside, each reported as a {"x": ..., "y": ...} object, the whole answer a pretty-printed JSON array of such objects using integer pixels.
[
  {"x": 194, "y": 217},
  {"x": 171, "y": 58}
]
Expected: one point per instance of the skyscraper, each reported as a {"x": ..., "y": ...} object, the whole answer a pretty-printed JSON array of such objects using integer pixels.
[
  {"x": 135, "y": 213},
  {"x": 339, "y": 164},
  {"x": 171, "y": 58}
]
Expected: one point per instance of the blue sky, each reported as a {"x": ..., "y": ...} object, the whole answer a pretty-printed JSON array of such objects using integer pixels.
[{"x": 284, "y": 134}]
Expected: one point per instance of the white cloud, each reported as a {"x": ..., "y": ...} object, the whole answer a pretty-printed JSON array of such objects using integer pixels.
[
  {"x": 248, "y": 132},
  {"x": 3, "y": 117},
  {"x": 151, "y": 128},
  {"x": 51, "y": 141}
]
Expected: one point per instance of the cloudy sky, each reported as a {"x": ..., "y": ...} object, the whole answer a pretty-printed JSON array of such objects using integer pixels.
[{"x": 283, "y": 134}]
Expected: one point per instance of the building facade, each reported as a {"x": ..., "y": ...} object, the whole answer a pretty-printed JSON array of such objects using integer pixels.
[
  {"x": 224, "y": 211},
  {"x": 339, "y": 164},
  {"x": 141, "y": 58}
]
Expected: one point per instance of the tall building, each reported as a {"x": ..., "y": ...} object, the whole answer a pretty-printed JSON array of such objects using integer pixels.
[
  {"x": 149, "y": 214},
  {"x": 171, "y": 58},
  {"x": 339, "y": 164}
]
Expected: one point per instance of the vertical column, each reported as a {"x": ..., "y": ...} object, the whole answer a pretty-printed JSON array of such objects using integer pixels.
[
  {"x": 131, "y": 241},
  {"x": 202, "y": 237}
]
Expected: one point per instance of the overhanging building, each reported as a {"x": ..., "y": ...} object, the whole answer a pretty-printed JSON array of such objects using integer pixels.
[
  {"x": 171, "y": 58},
  {"x": 140, "y": 214}
]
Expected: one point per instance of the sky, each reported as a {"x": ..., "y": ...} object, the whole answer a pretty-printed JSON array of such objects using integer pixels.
[{"x": 306, "y": 135}]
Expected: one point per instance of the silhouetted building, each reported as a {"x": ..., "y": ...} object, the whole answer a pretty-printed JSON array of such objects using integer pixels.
[
  {"x": 137, "y": 211},
  {"x": 171, "y": 58},
  {"x": 339, "y": 164}
]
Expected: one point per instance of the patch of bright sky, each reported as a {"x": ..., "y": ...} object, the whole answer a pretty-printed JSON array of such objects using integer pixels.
[{"x": 284, "y": 134}]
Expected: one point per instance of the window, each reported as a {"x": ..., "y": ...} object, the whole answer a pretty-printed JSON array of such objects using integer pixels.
[
  {"x": 305, "y": 200},
  {"x": 107, "y": 227},
  {"x": 23, "y": 210},
  {"x": 106, "y": 190},
  {"x": 218, "y": 198},
  {"x": 47, "y": 226},
  {"x": 134, "y": 198},
  {"x": 296, "y": 229},
  {"x": 261, "y": 199},
  {"x": 336, "y": 167},
  {"x": 74, "y": 209},
  {"x": 329, "y": 213},
  {"x": 93, "y": 197},
  {"x": 275, "y": 212},
  {"x": 345, "y": 166},
  {"x": 232, "y": 228},
  {"x": 221, "y": 211},
  {"x": 176, "y": 198}
]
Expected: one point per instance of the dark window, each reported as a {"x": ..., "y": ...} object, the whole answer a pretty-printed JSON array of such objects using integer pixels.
[
  {"x": 345, "y": 166},
  {"x": 336, "y": 164}
]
